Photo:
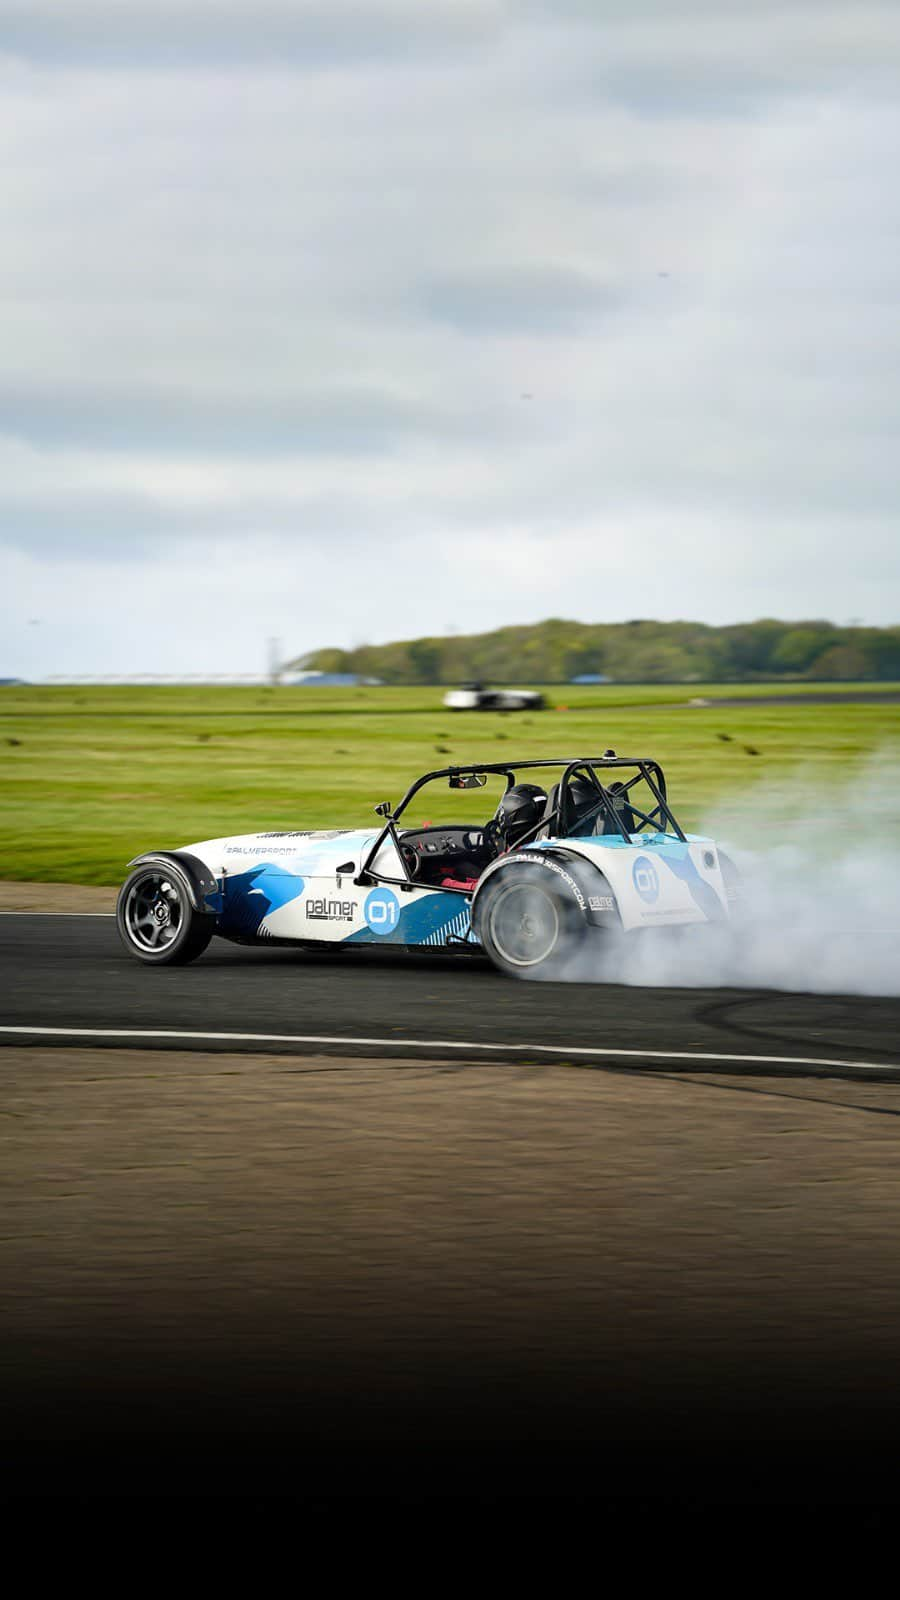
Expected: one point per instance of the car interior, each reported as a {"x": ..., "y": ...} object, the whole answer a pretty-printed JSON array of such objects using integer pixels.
[{"x": 454, "y": 855}]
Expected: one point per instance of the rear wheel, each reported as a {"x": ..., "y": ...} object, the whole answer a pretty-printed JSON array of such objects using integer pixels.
[
  {"x": 529, "y": 921},
  {"x": 156, "y": 920}
]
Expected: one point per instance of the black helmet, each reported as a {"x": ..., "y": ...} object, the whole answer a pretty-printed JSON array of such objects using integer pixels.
[
  {"x": 581, "y": 795},
  {"x": 521, "y": 807}
]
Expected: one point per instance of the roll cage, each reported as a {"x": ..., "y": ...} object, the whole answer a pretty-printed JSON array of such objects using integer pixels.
[{"x": 613, "y": 802}]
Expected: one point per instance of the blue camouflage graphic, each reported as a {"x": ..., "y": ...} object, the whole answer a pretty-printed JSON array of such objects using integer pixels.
[
  {"x": 667, "y": 852},
  {"x": 679, "y": 861},
  {"x": 250, "y": 896},
  {"x": 428, "y": 921}
]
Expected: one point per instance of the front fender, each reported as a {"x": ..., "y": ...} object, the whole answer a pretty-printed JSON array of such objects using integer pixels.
[{"x": 204, "y": 889}]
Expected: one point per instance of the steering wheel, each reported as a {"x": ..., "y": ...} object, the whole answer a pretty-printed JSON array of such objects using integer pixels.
[
  {"x": 493, "y": 836},
  {"x": 411, "y": 859}
]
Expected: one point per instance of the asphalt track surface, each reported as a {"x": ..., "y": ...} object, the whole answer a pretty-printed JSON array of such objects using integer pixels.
[
  {"x": 72, "y": 974},
  {"x": 274, "y": 1265}
]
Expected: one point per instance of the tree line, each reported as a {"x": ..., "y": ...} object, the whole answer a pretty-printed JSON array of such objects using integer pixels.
[{"x": 556, "y": 651}]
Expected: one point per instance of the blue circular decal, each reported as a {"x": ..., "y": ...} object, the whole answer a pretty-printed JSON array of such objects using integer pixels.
[
  {"x": 382, "y": 911},
  {"x": 645, "y": 879}
]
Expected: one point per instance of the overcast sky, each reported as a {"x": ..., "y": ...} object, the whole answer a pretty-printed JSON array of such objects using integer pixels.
[{"x": 345, "y": 320}]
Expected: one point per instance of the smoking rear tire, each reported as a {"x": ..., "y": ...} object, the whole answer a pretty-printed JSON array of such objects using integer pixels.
[
  {"x": 529, "y": 922},
  {"x": 156, "y": 921}
]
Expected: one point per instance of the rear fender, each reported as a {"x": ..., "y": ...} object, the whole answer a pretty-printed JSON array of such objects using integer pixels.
[
  {"x": 733, "y": 884},
  {"x": 204, "y": 889},
  {"x": 588, "y": 885}
]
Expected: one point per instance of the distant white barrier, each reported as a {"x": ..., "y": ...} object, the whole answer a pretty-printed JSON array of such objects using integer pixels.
[
  {"x": 260, "y": 680},
  {"x": 294, "y": 680}
]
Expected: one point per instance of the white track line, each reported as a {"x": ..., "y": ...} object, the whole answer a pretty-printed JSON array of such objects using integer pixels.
[
  {"x": 604, "y": 1052},
  {"x": 57, "y": 914}
]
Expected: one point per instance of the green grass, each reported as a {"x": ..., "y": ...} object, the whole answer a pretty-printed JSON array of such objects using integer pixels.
[{"x": 91, "y": 776}]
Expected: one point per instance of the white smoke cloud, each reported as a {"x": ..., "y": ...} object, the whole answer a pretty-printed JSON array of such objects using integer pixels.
[{"x": 820, "y": 861}]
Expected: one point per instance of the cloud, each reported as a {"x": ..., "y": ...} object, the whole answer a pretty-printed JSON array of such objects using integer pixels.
[
  {"x": 659, "y": 50},
  {"x": 588, "y": 308},
  {"x": 520, "y": 300},
  {"x": 173, "y": 33},
  {"x": 713, "y": 57}
]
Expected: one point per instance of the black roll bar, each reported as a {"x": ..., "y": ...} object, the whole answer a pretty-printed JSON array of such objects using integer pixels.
[{"x": 646, "y": 768}]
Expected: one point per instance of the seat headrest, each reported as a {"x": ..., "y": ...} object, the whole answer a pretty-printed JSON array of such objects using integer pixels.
[{"x": 549, "y": 808}]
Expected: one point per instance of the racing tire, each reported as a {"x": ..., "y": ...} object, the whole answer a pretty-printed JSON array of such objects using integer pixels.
[
  {"x": 530, "y": 922},
  {"x": 156, "y": 920}
]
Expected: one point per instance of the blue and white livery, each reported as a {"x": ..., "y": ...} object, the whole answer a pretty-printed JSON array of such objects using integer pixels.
[{"x": 596, "y": 852}]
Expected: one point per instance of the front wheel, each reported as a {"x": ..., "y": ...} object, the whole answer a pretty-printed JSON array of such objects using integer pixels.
[
  {"x": 529, "y": 922},
  {"x": 156, "y": 920}
]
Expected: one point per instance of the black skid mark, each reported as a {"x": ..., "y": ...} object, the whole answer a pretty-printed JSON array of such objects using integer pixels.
[{"x": 718, "y": 1015}]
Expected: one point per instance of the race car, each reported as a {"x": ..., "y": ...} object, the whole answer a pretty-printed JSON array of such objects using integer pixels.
[
  {"x": 475, "y": 697},
  {"x": 589, "y": 847}
]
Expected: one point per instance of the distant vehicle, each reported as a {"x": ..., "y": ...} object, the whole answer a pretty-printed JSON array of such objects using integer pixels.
[
  {"x": 588, "y": 849},
  {"x": 475, "y": 697},
  {"x": 327, "y": 680}
]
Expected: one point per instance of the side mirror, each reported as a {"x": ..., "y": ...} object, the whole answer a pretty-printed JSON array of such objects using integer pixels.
[
  {"x": 468, "y": 780},
  {"x": 384, "y": 810}
]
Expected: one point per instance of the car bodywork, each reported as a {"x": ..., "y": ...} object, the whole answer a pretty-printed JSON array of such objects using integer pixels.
[
  {"x": 475, "y": 697},
  {"x": 626, "y": 866}
]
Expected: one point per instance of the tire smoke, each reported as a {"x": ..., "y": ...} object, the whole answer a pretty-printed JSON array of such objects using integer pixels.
[{"x": 821, "y": 907}]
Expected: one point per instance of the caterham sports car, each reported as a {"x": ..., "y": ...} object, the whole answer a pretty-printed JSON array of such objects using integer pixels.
[{"x": 582, "y": 849}]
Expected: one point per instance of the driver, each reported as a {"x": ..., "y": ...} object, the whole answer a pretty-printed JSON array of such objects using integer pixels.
[
  {"x": 520, "y": 809},
  {"x": 583, "y": 798}
]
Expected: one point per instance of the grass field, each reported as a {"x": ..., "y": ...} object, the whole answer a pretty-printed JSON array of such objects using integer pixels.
[{"x": 90, "y": 776}]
